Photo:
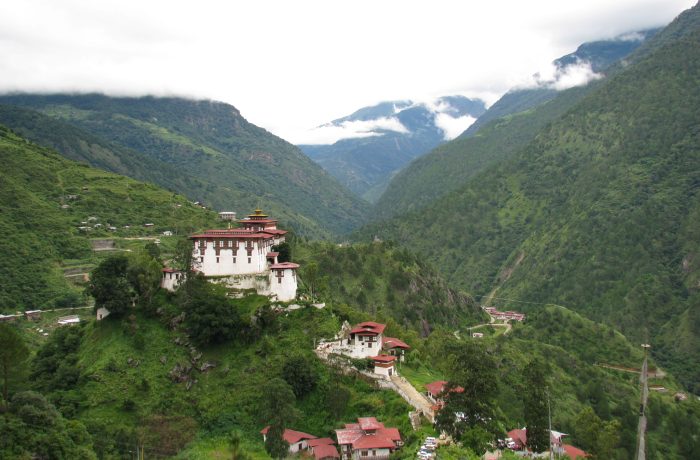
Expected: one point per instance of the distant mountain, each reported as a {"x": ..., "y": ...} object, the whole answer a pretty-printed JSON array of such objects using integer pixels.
[
  {"x": 381, "y": 139},
  {"x": 599, "y": 211},
  {"x": 597, "y": 56},
  {"x": 203, "y": 149},
  {"x": 503, "y": 129},
  {"x": 44, "y": 198}
]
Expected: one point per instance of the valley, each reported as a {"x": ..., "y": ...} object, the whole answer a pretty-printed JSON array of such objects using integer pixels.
[{"x": 438, "y": 278}]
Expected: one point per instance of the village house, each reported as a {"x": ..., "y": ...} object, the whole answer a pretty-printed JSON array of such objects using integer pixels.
[
  {"x": 323, "y": 449},
  {"x": 435, "y": 390},
  {"x": 242, "y": 259},
  {"x": 395, "y": 347},
  {"x": 384, "y": 365},
  {"x": 367, "y": 440},
  {"x": 297, "y": 440},
  {"x": 504, "y": 315},
  {"x": 34, "y": 315},
  {"x": 365, "y": 339},
  {"x": 68, "y": 320},
  {"x": 517, "y": 441}
]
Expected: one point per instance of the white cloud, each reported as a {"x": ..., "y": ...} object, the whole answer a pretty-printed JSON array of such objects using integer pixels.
[
  {"x": 451, "y": 126},
  {"x": 291, "y": 65},
  {"x": 329, "y": 133},
  {"x": 551, "y": 76}
]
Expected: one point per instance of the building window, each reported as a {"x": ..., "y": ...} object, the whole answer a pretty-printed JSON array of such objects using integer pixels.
[
  {"x": 234, "y": 260},
  {"x": 248, "y": 259},
  {"x": 201, "y": 259},
  {"x": 374, "y": 453},
  {"x": 221, "y": 243},
  {"x": 369, "y": 344},
  {"x": 279, "y": 280},
  {"x": 217, "y": 260},
  {"x": 364, "y": 453},
  {"x": 230, "y": 243}
]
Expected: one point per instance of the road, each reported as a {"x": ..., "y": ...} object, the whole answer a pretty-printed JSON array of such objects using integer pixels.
[{"x": 414, "y": 397}]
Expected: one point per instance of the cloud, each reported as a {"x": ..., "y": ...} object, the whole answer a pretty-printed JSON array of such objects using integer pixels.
[
  {"x": 451, "y": 126},
  {"x": 561, "y": 78},
  {"x": 331, "y": 133}
]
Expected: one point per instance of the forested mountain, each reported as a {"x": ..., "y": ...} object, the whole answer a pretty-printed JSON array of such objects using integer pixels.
[
  {"x": 396, "y": 133},
  {"x": 507, "y": 126},
  {"x": 203, "y": 149},
  {"x": 599, "y": 212},
  {"x": 44, "y": 198}
]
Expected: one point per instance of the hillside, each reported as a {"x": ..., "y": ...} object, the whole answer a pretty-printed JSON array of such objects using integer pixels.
[
  {"x": 44, "y": 198},
  {"x": 598, "y": 213},
  {"x": 212, "y": 154},
  {"x": 394, "y": 133},
  {"x": 507, "y": 126}
]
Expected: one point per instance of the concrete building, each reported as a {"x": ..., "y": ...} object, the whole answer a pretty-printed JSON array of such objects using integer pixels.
[{"x": 171, "y": 278}]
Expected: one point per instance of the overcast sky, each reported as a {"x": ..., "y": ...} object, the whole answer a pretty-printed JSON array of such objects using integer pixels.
[{"x": 291, "y": 65}]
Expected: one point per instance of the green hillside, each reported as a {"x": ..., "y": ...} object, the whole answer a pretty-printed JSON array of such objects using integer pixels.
[
  {"x": 212, "y": 154},
  {"x": 39, "y": 237},
  {"x": 451, "y": 165},
  {"x": 599, "y": 212}
]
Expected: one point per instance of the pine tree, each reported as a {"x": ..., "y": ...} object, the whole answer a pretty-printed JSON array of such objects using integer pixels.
[{"x": 535, "y": 406}]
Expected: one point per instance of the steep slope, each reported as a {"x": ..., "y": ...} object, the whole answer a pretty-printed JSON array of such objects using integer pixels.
[
  {"x": 394, "y": 134},
  {"x": 598, "y": 56},
  {"x": 599, "y": 212},
  {"x": 507, "y": 126},
  {"x": 44, "y": 198},
  {"x": 222, "y": 160}
]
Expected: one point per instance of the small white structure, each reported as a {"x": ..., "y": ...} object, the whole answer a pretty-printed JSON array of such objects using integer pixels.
[
  {"x": 227, "y": 215},
  {"x": 477, "y": 335},
  {"x": 385, "y": 365},
  {"x": 167, "y": 233},
  {"x": 283, "y": 281},
  {"x": 102, "y": 313},
  {"x": 68, "y": 320},
  {"x": 171, "y": 278}
]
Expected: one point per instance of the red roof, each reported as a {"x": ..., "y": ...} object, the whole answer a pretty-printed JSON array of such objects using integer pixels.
[
  {"x": 169, "y": 270},
  {"x": 291, "y": 436},
  {"x": 574, "y": 452},
  {"x": 384, "y": 358},
  {"x": 274, "y": 231},
  {"x": 373, "y": 442},
  {"x": 272, "y": 254},
  {"x": 231, "y": 233},
  {"x": 368, "y": 328},
  {"x": 437, "y": 387},
  {"x": 325, "y": 451},
  {"x": 369, "y": 423},
  {"x": 519, "y": 436},
  {"x": 320, "y": 442},
  {"x": 284, "y": 265},
  {"x": 391, "y": 342},
  {"x": 381, "y": 438}
]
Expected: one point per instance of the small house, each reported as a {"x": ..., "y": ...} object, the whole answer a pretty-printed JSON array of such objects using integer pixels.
[
  {"x": 384, "y": 365},
  {"x": 395, "y": 347},
  {"x": 365, "y": 339},
  {"x": 323, "y": 449},
  {"x": 297, "y": 440},
  {"x": 367, "y": 439},
  {"x": 68, "y": 320},
  {"x": 33, "y": 315}
]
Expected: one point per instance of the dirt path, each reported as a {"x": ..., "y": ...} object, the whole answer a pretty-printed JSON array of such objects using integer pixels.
[{"x": 653, "y": 373}]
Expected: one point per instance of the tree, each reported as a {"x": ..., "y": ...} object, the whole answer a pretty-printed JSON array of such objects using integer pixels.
[
  {"x": 285, "y": 252},
  {"x": 310, "y": 276},
  {"x": 13, "y": 357},
  {"x": 300, "y": 374},
  {"x": 209, "y": 315},
  {"x": 144, "y": 274},
  {"x": 536, "y": 405},
  {"x": 182, "y": 259},
  {"x": 598, "y": 438},
  {"x": 468, "y": 414},
  {"x": 276, "y": 408},
  {"x": 110, "y": 287},
  {"x": 275, "y": 444}
]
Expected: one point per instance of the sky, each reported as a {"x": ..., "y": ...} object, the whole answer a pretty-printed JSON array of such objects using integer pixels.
[{"x": 292, "y": 65}]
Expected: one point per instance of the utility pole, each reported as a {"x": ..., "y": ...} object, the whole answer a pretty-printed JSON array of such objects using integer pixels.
[{"x": 549, "y": 412}]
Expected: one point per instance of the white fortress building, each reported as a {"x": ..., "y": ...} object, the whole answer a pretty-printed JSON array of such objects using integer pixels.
[{"x": 242, "y": 258}]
